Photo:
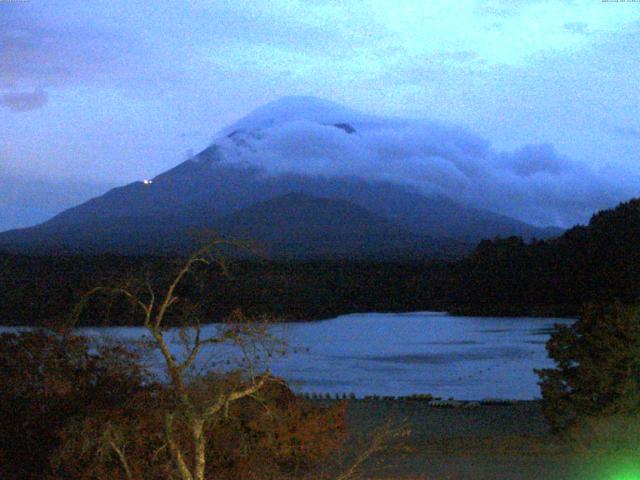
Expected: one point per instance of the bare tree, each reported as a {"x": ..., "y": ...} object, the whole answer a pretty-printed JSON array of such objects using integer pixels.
[
  {"x": 191, "y": 413},
  {"x": 379, "y": 441},
  {"x": 197, "y": 402}
]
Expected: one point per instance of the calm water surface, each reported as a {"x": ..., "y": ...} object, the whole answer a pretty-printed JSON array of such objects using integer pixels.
[{"x": 467, "y": 358}]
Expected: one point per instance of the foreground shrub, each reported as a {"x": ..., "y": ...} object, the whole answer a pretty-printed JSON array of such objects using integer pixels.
[
  {"x": 48, "y": 379},
  {"x": 286, "y": 435},
  {"x": 68, "y": 412},
  {"x": 597, "y": 370},
  {"x": 272, "y": 435}
]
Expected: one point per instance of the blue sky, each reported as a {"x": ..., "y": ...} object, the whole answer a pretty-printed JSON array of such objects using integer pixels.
[{"x": 100, "y": 93}]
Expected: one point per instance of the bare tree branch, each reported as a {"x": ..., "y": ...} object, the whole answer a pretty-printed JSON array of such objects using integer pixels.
[
  {"x": 193, "y": 415},
  {"x": 378, "y": 442}
]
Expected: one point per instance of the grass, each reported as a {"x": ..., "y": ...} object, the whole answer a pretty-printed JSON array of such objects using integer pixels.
[{"x": 492, "y": 442}]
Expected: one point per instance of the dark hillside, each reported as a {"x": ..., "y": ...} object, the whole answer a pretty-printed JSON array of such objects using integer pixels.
[{"x": 596, "y": 262}]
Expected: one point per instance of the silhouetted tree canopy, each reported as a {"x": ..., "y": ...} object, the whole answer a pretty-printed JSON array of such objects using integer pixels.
[{"x": 597, "y": 371}]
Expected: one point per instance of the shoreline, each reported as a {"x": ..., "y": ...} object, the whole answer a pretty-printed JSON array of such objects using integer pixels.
[
  {"x": 423, "y": 399},
  {"x": 312, "y": 319}
]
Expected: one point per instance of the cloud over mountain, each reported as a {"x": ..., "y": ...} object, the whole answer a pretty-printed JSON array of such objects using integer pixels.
[{"x": 534, "y": 183}]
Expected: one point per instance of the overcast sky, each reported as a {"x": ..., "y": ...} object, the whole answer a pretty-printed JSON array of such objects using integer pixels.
[{"x": 100, "y": 93}]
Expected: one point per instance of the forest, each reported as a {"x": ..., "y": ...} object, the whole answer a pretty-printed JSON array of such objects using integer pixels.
[{"x": 502, "y": 277}]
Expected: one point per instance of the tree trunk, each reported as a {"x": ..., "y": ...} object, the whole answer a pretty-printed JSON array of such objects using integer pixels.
[
  {"x": 199, "y": 444},
  {"x": 174, "y": 448}
]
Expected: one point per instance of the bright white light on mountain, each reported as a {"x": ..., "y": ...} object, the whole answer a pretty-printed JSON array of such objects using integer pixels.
[{"x": 147, "y": 182}]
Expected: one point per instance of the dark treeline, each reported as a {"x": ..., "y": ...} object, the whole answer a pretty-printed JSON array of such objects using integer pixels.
[
  {"x": 45, "y": 290},
  {"x": 596, "y": 262}
]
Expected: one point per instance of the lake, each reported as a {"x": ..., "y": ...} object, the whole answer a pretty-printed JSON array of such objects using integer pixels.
[{"x": 467, "y": 358}]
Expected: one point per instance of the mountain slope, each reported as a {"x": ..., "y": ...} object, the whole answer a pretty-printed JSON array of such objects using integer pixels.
[
  {"x": 277, "y": 150},
  {"x": 300, "y": 226},
  {"x": 140, "y": 217},
  {"x": 294, "y": 226}
]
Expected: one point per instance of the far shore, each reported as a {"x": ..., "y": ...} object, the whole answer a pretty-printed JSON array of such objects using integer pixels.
[{"x": 7, "y": 325}]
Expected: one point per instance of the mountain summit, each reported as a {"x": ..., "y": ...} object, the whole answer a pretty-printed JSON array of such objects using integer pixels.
[
  {"x": 296, "y": 109},
  {"x": 306, "y": 177}
]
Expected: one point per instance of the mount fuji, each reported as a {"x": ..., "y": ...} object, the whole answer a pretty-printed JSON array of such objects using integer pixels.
[{"x": 304, "y": 177}]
